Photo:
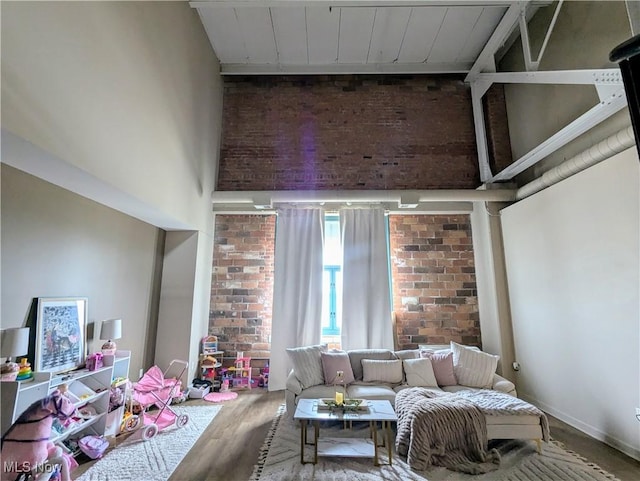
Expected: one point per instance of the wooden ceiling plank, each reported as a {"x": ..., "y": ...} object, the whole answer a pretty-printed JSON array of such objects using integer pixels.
[
  {"x": 356, "y": 26},
  {"x": 290, "y": 30},
  {"x": 484, "y": 27},
  {"x": 388, "y": 32},
  {"x": 257, "y": 30},
  {"x": 224, "y": 34},
  {"x": 344, "y": 68},
  {"x": 458, "y": 22},
  {"x": 422, "y": 29},
  {"x": 323, "y": 25}
]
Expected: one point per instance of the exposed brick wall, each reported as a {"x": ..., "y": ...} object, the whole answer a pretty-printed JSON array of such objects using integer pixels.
[
  {"x": 347, "y": 132},
  {"x": 242, "y": 284},
  {"x": 434, "y": 284},
  {"x": 433, "y": 277},
  {"x": 495, "y": 110}
]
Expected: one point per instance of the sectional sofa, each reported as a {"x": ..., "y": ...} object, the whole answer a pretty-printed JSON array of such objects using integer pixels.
[
  {"x": 380, "y": 374},
  {"x": 308, "y": 379}
]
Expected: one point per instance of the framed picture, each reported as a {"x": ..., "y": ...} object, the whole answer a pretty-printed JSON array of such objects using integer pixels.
[{"x": 60, "y": 334}]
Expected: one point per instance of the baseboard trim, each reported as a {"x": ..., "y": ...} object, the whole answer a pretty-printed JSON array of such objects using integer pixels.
[{"x": 595, "y": 433}]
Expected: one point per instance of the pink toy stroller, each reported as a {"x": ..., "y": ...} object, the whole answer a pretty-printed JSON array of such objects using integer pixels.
[{"x": 157, "y": 388}]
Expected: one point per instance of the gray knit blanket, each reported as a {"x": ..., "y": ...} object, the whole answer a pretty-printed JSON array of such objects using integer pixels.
[
  {"x": 495, "y": 403},
  {"x": 443, "y": 430}
]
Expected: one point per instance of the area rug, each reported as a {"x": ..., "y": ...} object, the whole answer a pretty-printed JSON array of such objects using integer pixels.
[
  {"x": 280, "y": 461},
  {"x": 217, "y": 397},
  {"x": 157, "y": 458}
]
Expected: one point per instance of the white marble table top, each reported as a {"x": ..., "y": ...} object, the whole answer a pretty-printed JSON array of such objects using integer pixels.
[{"x": 377, "y": 411}]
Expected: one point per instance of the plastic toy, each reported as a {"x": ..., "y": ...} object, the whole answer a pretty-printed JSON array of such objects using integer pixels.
[
  {"x": 156, "y": 388},
  {"x": 26, "y": 444},
  {"x": 25, "y": 370}
]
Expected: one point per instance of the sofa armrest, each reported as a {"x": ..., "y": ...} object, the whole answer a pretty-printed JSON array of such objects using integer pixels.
[
  {"x": 504, "y": 385},
  {"x": 293, "y": 384}
]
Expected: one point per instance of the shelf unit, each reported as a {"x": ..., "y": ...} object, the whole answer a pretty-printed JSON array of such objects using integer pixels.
[{"x": 84, "y": 387}]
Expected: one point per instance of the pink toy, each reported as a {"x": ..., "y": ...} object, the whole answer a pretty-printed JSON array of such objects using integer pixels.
[
  {"x": 94, "y": 361},
  {"x": 225, "y": 386},
  {"x": 156, "y": 387},
  {"x": 26, "y": 446},
  {"x": 93, "y": 446}
]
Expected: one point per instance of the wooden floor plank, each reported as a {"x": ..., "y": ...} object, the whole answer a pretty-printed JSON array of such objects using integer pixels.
[{"x": 228, "y": 449}]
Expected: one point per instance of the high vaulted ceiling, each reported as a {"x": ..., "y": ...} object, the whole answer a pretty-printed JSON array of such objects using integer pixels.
[
  {"x": 356, "y": 36},
  {"x": 257, "y": 37}
]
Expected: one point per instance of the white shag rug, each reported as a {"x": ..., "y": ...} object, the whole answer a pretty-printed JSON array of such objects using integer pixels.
[
  {"x": 157, "y": 458},
  {"x": 280, "y": 461}
]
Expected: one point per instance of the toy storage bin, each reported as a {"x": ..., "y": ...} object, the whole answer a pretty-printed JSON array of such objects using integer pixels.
[
  {"x": 78, "y": 392},
  {"x": 198, "y": 392}
]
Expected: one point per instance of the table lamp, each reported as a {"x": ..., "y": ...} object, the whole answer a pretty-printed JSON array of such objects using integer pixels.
[
  {"x": 111, "y": 329},
  {"x": 14, "y": 342}
]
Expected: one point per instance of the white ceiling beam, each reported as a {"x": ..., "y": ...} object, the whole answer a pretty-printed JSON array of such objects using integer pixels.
[
  {"x": 390, "y": 207},
  {"x": 535, "y": 64},
  {"x": 352, "y": 3},
  {"x": 229, "y": 197},
  {"x": 507, "y": 24},
  {"x": 605, "y": 76},
  {"x": 589, "y": 119},
  {"x": 478, "y": 89},
  {"x": 343, "y": 68}
]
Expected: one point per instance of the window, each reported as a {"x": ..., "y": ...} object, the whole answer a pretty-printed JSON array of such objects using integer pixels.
[{"x": 332, "y": 282}]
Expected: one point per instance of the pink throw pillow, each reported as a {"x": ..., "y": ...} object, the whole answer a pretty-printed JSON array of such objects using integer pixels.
[
  {"x": 334, "y": 361},
  {"x": 442, "y": 363}
]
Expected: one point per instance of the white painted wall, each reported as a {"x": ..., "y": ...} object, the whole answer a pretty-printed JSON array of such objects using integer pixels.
[
  {"x": 573, "y": 267},
  {"x": 184, "y": 318},
  {"x": 128, "y": 92},
  {"x": 120, "y": 102},
  {"x": 58, "y": 244}
]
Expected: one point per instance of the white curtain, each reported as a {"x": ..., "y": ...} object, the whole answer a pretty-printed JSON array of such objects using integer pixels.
[
  {"x": 297, "y": 290},
  {"x": 366, "y": 296}
]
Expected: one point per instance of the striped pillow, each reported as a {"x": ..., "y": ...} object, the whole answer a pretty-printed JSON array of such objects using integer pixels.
[
  {"x": 473, "y": 368},
  {"x": 375, "y": 370},
  {"x": 307, "y": 364}
]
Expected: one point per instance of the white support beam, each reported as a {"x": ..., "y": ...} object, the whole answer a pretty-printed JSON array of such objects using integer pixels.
[
  {"x": 603, "y": 76},
  {"x": 478, "y": 89},
  {"x": 247, "y": 198},
  {"x": 503, "y": 30},
  {"x": 591, "y": 118},
  {"x": 343, "y": 68},
  {"x": 530, "y": 63}
]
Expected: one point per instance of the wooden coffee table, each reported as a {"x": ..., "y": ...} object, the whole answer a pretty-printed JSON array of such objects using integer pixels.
[{"x": 378, "y": 412}]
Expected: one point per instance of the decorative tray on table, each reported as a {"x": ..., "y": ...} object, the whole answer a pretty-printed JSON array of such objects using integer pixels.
[{"x": 348, "y": 405}]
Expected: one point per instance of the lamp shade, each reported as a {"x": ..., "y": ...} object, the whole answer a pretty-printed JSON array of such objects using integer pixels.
[
  {"x": 15, "y": 342},
  {"x": 111, "y": 329}
]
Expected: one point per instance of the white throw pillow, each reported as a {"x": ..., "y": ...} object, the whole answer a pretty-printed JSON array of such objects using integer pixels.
[
  {"x": 419, "y": 372},
  {"x": 473, "y": 368},
  {"x": 307, "y": 364},
  {"x": 374, "y": 370}
]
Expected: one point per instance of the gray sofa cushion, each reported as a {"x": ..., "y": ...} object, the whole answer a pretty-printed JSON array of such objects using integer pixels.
[
  {"x": 371, "y": 391},
  {"x": 357, "y": 355}
]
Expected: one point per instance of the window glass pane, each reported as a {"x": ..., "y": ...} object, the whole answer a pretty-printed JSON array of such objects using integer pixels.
[
  {"x": 332, "y": 251},
  {"x": 332, "y": 282}
]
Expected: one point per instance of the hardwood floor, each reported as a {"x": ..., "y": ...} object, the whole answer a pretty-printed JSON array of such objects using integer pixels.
[{"x": 229, "y": 447}]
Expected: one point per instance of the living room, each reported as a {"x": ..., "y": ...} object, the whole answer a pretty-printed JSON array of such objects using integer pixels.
[{"x": 114, "y": 122}]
